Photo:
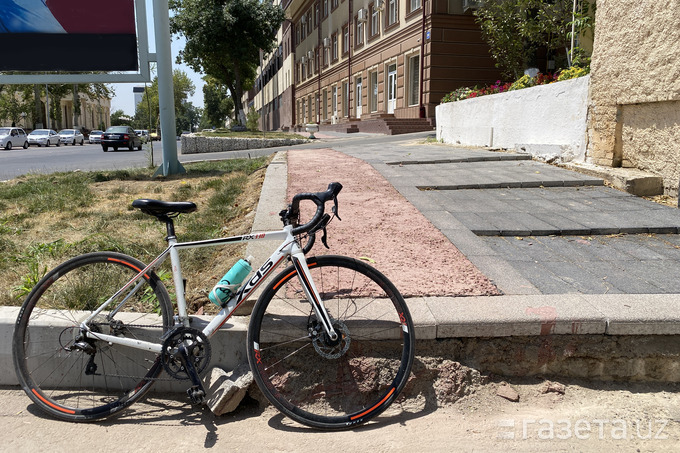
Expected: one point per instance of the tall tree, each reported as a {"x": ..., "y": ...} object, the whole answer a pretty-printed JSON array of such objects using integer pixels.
[
  {"x": 224, "y": 37},
  {"x": 515, "y": 29},
  {"x": 218, "y": 105}
]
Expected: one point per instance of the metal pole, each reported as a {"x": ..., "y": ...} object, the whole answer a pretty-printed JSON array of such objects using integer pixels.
[
  {"x": 47, "y": 106},
  {"x": 166, "y": 99}
]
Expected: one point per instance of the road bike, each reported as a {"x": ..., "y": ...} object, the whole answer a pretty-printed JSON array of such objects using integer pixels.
[{"x": 330, "y": 339}]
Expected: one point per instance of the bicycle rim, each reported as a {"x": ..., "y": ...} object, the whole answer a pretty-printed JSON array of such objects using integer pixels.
[
  {"x": 78, "y": 379},
  {"x": 323, "y": 383}
]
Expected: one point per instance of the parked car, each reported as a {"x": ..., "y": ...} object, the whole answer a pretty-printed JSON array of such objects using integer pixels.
[
  {"x": 13, "y": 136},
  {"x": 95, "y": 136},
  {"x": 120, "y": 137},
  {"x": 155, "y": 136},
  {"x": 71, "y": 136},
  {"x": 44, "y": 137},
  {"x": 143, "y": 134}
]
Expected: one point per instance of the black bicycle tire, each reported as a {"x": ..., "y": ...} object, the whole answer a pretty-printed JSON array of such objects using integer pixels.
[
  {"x": 40, "y": 396},
  {"x": 355, "y": 417}
]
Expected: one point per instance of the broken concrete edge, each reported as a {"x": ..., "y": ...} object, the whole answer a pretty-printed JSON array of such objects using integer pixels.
[
  {"x": 631, "y": 180},
  {"x": 226, "y": 389}
]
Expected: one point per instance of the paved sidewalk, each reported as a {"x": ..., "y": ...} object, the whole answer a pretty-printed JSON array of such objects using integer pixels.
[{"x": 597, "y": 257}]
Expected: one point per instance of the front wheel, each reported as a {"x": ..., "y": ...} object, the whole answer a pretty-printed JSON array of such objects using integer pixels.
[
  {"x": 325, "y": 383},
  {"x": 76, "y": 377}
]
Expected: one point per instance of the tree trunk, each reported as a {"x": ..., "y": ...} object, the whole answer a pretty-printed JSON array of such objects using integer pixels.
[
  {"x": 238, "y": 85},
  {"x": 37, "y": 107},
  {"x": 76, "y": 106}
]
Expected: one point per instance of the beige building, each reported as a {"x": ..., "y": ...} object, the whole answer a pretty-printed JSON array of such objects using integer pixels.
[
  {"x": 634, "y": 107},
  {"x": 365, "y": 63},
  {"x": 93, "y": 114}
]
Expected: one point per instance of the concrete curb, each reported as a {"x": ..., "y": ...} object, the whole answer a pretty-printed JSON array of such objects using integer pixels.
[{"x": 524, "y": 313}]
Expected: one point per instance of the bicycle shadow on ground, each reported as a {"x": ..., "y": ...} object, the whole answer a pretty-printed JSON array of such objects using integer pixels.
[{"x": 171, "y": 411}]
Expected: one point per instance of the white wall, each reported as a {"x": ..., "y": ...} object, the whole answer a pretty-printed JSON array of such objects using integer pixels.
[{"x": 546, "y": 120}]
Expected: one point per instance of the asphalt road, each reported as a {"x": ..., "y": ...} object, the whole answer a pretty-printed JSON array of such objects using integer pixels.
[{"x": 19, "y": 161}]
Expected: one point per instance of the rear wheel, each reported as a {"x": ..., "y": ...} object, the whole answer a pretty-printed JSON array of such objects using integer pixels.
[
  {"x": 25, "y": 145},
  {"x": 8, "y": 145},
  {"x": 59, "y": 143},
  {"x": 76, "y": 377},
  {"x": 325, "y": 383},
  {"x": 105, "y": 148}
]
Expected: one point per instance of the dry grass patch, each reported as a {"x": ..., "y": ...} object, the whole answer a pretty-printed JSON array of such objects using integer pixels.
[{"x": 45, "y": 220}]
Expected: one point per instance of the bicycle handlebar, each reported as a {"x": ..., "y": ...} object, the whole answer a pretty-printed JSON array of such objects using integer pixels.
[{"x": 320, "y": 199}]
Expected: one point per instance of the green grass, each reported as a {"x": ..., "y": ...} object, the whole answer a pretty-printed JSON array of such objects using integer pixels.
[{"x": 46, "y": 219}]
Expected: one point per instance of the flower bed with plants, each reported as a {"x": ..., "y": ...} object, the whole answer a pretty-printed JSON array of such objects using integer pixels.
[{"x": 525, "y": 81}]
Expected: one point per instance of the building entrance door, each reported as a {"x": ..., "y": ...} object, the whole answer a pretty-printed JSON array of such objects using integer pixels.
[{"x": 391, "y": 88}]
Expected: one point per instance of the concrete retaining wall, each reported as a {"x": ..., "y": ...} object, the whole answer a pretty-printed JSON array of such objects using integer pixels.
[
  {"x": 194, "y": 144},
  {"x": 547, "y": 120}
]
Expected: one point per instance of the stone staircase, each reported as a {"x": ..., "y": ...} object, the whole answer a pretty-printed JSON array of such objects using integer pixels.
[{"x": 385, "y": 124}]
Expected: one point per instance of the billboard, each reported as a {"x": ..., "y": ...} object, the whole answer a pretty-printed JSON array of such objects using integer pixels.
[{"x": 68, "y": 35}]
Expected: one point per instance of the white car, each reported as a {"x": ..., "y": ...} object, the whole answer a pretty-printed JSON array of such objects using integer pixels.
[
  {"x": 43, "y": 137},
  {"x": 13, "y": 136},
  {"x": 71, "y": 137},
  {"x": 95, "y": 136},
  {"x": 143, "y": 134}
]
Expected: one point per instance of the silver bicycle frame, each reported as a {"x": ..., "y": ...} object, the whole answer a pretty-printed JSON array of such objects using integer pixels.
[{"x": 288, "y": 248}]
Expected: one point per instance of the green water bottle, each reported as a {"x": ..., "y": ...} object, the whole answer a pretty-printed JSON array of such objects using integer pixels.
[{"x": 231, "y": 281}]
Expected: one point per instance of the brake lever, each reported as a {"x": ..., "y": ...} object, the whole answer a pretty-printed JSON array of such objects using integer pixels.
[
  {"x": 334, "y": 209},
  {"x": 324, "y": 237}
]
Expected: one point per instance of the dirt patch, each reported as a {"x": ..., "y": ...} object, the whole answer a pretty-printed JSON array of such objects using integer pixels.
[{"x": 380, "y": 226}]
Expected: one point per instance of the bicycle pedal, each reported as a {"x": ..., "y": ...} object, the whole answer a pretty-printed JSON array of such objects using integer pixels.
[{"x": 196, "y": 395}]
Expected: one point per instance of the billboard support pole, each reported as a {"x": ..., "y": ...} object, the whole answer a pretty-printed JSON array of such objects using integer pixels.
[{"x": 166, "y": 98}]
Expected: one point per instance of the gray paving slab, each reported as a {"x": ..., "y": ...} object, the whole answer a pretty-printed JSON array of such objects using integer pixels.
[{"x": 573, "y": 246}]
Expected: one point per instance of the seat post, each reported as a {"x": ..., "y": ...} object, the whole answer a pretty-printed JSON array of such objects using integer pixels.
[{"x": 169, "y": 227}]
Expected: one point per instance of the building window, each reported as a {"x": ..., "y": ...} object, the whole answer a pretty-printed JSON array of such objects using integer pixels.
[
  {"x": 345, "y": 39},
  {"x": 392, "y": 12},
  {"x": 413, "y": 5},
  {"x": 316, "y": 15},
  {"x": 374, "y": 27},
  {"x": 414, "y": 80},
  {"x": 334, "y": 101},
  {"x": 325, "y": 8},
  {"x": 345, "y": 99},
  {"x": 325, "y": 104},
  {"x": 326, "y": 51},
  {"x": 334, "y": 4},
  {"x": 360, "y": 32},
  {"x": 373, "y": 93},
  {"x": 335, "y": 47}
]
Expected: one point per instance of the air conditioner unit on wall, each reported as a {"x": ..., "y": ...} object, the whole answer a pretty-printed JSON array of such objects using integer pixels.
[
  {"x": 362, "y": 15},
  {"x": 472, "y": 4},
  {"x": 327, "y": 42}
]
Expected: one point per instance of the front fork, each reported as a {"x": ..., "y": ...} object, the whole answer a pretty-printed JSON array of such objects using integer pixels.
[{"x": 312, "y": 294}]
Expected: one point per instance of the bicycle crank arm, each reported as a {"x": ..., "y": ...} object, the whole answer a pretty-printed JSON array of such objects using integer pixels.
[{"x": 196, "y": 392}]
